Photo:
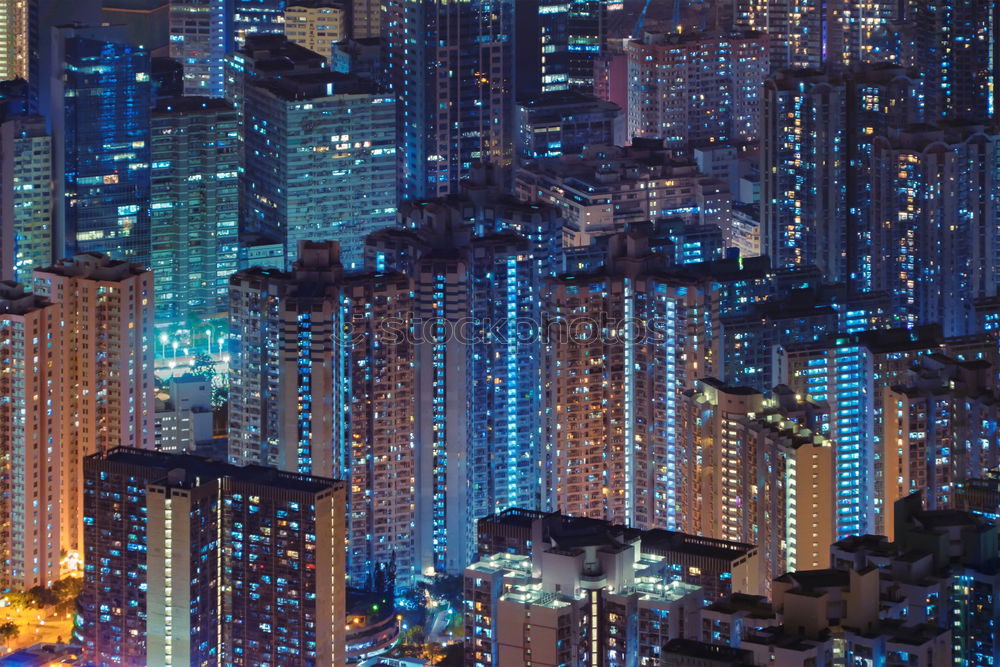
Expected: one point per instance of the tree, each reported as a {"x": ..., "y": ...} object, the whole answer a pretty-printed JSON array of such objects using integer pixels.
[
  {"x": 9, "y": 631},
  {"x": 19, "y": 599},
  {"x": 42, "y": 596},
  {"x": 448, "y": 587},
  {"x": 203, "y": 366},
  {"x": 454, "y": 656},
  {"x": 220, "y": 397}
]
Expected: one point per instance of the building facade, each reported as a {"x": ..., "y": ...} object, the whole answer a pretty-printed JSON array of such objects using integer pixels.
[
  {"x": 101, "y": 144},
  {"x": 201, "y": 33},
  {"x": 611, "y": 436},
  {"x": 34, "y": 437},
  {"x": 221, "y": 565},
  {"x": 26, "y": 204},
  {"x": 194, "y": 207},
  {"x": 451, "y": 70},
  {"x": 108, "y": 330},
  {"x": 316, "y": 25},
  {"x": 320, "y": 161},
  {"x": 693, "y": 90}
]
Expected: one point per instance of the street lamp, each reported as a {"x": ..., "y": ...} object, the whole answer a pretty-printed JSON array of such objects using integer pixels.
[
  {"x": 208, "y": 332},
  {"x": 163, "y": 342}
]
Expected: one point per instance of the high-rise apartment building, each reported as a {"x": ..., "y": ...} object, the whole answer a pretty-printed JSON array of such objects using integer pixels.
[
  {"x": 759, "y": 470},
  {"x": 804, "y": 171},
  {"x": 201, "y": 33},
  {"x": 190, "y": 561},
  {"x": 622, "y": 344},
  {"x": 321, "y": 382},
  {"x": 956, "y": 50},
  {"x": 796, "y": 311},
  {"x": 100, "y": 133},
  {"x": 881, "y": 98},
  {"x": 451, "y": 70},
  {"x": 107, "y": 315},
  {"x": 818, "y": 170},
  {"x": 194, "y": 189},
  {"x": 25, "y": 197},
  {"x": 477, "y": 353},
  {"x": 280, "y": 375},
  {"x": 933, "y": 213},
  {"x": 694, "y": 90},
  {"x": 320, "y": 161},
  {"x": 850, "y": 373},
  {"x": 316, "y": 24},
  {"x": 804, "y": 34},
  {"x": 938, "y": 432},
  {"x": 600, "y": 192},
  {"x": 374, "y": 401},
  {"x": 34, "y": 437}
]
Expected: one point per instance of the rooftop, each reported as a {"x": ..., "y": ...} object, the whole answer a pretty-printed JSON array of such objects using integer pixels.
[
  {"x": 694, "y": 649},
  {"x": 189, "y": 471},
  {"x": 192, "y": 104},
  {"x": 94, "y": 266}
]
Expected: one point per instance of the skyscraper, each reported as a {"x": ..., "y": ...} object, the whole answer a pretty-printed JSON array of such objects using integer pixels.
[
  {"x": 933, "y": 213},
  {"x": 374, "y": 412},
  {"x": 322, "y": 381},
  {"x": 190, "y": 561},
  {"x": 881, "y": 98},
  {"x": 758, "y": 469},
  {"x": 100, "y": 132},
  {"x": 194, "y": 238},
  {"x": 25, "y": 197},
  {"x": 851, "y": 373},
  {"x": 956, "y": 51},
  {"x": 451, "y": 71},
  {"x": 33, "y": 437},
  {"x": 805, "y": 34},
  {"x": 107, "y": 311},
  {"x": 320, "y": 161},
  {"x": 201, "y": 33},
  {"x": 281, "y": 342},
  {"x": 694, "y": 90},
  {"x": 622, "y": 344},
  {"x": 542, "y": 49},
  {"x": 804, "y": 171},
  {"x": 477, "y": 354}
]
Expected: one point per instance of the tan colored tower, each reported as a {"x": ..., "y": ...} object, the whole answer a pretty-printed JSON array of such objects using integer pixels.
[
  {"x": 32, "y": 435},
  {"x": 107, "y": 310}
]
